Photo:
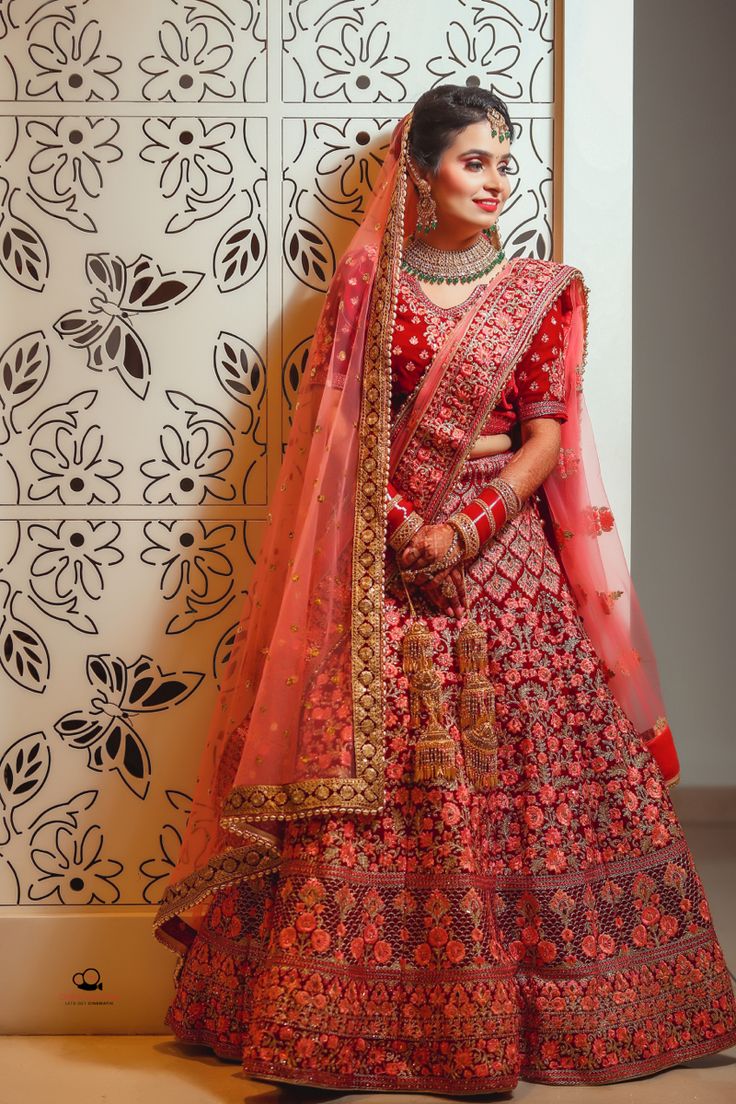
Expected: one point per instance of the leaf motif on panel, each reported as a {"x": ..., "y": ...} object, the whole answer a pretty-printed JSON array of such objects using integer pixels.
[
  {"x": 308, "y": 251},
  {"x": 23, "y": 254},
  {"x": 241, "y": 371},
  {"x": 291, "y": 376},
  {"x": 24, "y": 656},
  {"x": 24, "y": 768},
  {"x": 23, "y": 368},
  {"x": 240, "y": 253},
  {"x": 224, "y": 648}
]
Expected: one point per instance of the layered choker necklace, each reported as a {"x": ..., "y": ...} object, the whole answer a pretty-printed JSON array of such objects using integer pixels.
[{"x": 451, "y": 266}]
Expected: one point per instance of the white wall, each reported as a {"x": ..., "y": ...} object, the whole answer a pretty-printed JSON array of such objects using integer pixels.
[
  {"x": 684, "y": 380},
  {"x": 597, "y": 189}
]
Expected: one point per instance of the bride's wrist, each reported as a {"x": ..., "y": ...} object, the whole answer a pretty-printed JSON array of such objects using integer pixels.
[
  {"x": 405, "y": 531},
  {"x": 488, "y": 513}
]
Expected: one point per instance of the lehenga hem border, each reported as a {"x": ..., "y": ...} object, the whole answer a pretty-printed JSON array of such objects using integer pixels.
[{"x": 452, "y": 1088}]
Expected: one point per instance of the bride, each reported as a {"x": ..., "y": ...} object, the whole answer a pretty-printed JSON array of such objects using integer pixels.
[{"x": 432, "y": 846}]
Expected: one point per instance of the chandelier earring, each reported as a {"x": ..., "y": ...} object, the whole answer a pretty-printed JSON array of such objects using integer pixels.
[{"x": 426, "y": 206}]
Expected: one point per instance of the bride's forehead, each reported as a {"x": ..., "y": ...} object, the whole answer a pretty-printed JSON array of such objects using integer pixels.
[{"x": 477, "y": 138}]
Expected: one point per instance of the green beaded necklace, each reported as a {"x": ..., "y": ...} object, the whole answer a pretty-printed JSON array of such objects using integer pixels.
[{"x": 451, "y": 266}]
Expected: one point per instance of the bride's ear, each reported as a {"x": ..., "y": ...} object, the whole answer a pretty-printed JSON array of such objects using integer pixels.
[{"x": 418, "y": 177}]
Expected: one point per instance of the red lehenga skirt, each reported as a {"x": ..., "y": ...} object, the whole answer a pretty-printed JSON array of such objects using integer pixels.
[{"x": 553, "y": 930}]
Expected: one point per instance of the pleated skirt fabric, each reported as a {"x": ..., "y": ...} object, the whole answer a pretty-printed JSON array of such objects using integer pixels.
[{"x": 553, "y": 929}]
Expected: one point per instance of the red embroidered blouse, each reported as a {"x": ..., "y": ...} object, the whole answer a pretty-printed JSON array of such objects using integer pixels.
[{"x": 535, "y": 389}]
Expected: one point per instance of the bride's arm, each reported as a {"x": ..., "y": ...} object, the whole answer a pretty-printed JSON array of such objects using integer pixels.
[
  {"x": 481, "y": 518},
  {"x": 402, "y": 520},
  {"x": 537, "y": 457}
]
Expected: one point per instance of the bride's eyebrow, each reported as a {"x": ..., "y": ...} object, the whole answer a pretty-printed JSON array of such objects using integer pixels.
[{"x": 485, "y": 153}]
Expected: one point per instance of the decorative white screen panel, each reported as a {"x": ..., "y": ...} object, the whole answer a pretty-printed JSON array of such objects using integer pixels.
[{"x": 177, "y": 181}]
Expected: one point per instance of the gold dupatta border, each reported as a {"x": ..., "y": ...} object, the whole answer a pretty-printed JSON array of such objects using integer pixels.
[{"x": 365, "y": 792}]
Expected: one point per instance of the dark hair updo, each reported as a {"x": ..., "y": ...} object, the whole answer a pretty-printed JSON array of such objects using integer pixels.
[{"x": 443, "y": 112}]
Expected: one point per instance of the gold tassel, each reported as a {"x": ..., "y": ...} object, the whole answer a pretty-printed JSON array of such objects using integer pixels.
[
  {"x": 434, "y": 753},
  {"x": 477, "y": 707}
]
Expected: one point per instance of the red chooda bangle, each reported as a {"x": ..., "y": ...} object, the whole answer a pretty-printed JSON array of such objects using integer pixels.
[{"x": 492, "y": 508}]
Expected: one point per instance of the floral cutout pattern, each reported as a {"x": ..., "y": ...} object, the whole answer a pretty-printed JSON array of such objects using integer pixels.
[
  {"x": 197, "y": 564},
  {"x": 54, "y": 854},
  {"x": 69, "y": 59},
  {"x": 371, "y": 51},
  {"x": 68, "y": 573},
  {"x": 23, "y": 253},
  {"x": 196, "y": 51},
  {"x": 183, "y": 51},
  {"x": 69, "y": 163},
  {"x": 156, "y": 871}
]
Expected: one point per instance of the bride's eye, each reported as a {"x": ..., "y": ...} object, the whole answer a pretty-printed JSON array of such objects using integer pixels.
[{"x": 469, "y": 164}]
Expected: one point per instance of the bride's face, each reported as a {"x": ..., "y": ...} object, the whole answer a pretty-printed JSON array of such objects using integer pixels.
[{"x": 471, "y": 185}]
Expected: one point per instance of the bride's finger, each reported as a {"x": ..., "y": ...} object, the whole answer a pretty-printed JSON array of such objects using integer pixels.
[
  {"x": 459, "y": 581},
  {"x": 447, "y": 597}
]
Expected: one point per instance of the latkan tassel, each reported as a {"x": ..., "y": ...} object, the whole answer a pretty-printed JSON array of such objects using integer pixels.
[
  {"x": 434, "y": 753},
  {"x": 477, "y": 708},
  {"x": 472, "y": 649},
  {"x": 480, "y": 751}
]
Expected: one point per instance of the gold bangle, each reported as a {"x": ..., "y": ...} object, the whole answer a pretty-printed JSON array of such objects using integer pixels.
[
  {"x": 511, "y": 500},
  {"x": 468, "y": 531},
  {"x": 405, "y": 531}
]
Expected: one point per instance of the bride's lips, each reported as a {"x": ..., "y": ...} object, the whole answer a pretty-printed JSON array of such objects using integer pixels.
[{"x": 486, "y": 204}]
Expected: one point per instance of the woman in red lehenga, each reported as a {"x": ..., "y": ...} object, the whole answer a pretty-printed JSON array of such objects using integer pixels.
[{"x": 432, "y": 846}]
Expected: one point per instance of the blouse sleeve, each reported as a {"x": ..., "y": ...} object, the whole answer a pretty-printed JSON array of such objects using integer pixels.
[{"x": 540, "y": 374}]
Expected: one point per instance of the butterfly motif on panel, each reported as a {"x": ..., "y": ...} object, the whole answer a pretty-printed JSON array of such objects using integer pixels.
[
  {"x": 120, "y": 292},
  {"x": 121, "y": 692}
]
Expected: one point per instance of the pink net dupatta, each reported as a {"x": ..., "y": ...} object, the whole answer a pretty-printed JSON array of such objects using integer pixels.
[
  {"x": 592, "y": 555},
  {"x": 299, "y": 721}
]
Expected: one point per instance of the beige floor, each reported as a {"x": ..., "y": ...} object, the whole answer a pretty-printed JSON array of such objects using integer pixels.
[{"x": 145, "y": 1069}]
